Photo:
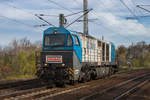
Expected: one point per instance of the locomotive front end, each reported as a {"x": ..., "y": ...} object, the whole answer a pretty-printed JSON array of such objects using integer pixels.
[
  {"x": 55, "y": 66},
  {"x": 56, "y": 58}
]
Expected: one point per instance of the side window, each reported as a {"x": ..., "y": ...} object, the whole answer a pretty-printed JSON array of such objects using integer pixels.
[
  {"x": 69, "y": 41},
  {"x": 76, "y": 40},
  {"x": 46, "y": 40}
]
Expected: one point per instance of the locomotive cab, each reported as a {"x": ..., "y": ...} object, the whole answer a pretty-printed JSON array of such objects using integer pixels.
[{"x": 60, "y": 52}]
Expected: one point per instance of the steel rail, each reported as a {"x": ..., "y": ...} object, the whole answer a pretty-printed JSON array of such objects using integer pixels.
[
  {"x": 17, "y": 93},
  {"x": 16, "y": 84},
  {"x": 131, "y": 89},
  {"x": 62, "y": 92},
  {"x": 112, "y": 87},
  {"x": 38, "y": 91}
]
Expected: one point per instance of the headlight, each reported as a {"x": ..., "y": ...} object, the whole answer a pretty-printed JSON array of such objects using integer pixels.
[
  {"x": 45, "y": 64},
  {"x": 63, "y": 65}
]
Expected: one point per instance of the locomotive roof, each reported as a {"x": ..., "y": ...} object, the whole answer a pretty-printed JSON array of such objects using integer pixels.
[
  {"x": 62, "y": 30},
  {"x": 59, "y": 30}
]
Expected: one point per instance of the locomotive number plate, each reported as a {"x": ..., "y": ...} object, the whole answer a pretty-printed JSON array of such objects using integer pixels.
[{"x": 53, "y": 59}]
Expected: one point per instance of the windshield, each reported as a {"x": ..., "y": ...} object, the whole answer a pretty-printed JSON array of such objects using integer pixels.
[{"x": 54, "y": 40}]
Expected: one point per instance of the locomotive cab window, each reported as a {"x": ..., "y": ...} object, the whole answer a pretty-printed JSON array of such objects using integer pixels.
[
  {"x": 55, "y": 40},
  {"x": 69, "y": 41},
  {"x": 76, "y": 40}
]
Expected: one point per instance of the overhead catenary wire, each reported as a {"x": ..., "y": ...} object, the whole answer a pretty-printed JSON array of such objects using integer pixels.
[
  {"x": 79, "y": 18},
  {"x": 23, "y": 22},
  {"x": 128, "y": 9},
  {"x": 75, "y": 1},
  {"x": 74, "y": 13},
  {"x": 111, "y": 31},
  {"x": 101, "y": 25},
  {"x": 135, "y": 6},
  {"x": 31, "y": 13},
  {"x": 14, "y": 20},
  {"x": 139, "y": 6},
  {"x": 139, "y": 9},
  {"x": 44, "y": 20},
  {"x": 41, "y": 25},
  {"x": 67, "y": 8},
  {"x": 104, "y": 5},
  {"x": 59, "y": 5},
  {"x": 37, "y": 15},
  {"x": 47, "y": 15},
  {"x": 19, "y": 22},
  {"x": 82, "y": 11},
  {"x": 128, "y": 41},
  {"x": 144, "y": 5}
]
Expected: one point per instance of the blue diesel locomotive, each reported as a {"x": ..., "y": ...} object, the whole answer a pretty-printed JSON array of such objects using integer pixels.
[{"x": 68, "y": 56}]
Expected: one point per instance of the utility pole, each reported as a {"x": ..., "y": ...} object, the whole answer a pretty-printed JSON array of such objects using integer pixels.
[
  {"x": 62, "y": 20},
  {"x": 85, "y": 19},
  {"x": 103, "y": 38}
]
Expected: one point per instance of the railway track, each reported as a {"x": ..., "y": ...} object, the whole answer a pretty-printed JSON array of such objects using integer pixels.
[
  {"x": 39, "y": 93},
  {"x": 19, "y": 85},
  {"x": 95, "y": 86},
  {"x": 118, "y": 91},
  {"x": 43, "y": 93},
  {"x": 31, "y": 81},
  {"x": 23, "y": 85}
]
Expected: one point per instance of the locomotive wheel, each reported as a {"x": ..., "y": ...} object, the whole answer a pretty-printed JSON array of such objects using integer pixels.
[
  {"x": 113, "y": 71},
  {"x": 110, "y": 71},
  {"x": 83, "y": 80},
  {"x": 93, "y": 75},
  {"x": 63, "y": 85},
  {"x": 73, "y": 82},
  {"x": 60, "y": 84},
  {"x": 50, "y": 84},
  {"x": 88, "y": 76}
]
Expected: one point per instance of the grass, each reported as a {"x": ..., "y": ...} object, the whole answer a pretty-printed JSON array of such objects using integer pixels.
[
  {"x": 126, "y": 68},
  {"x": 123, "y": 69},
  {"x": 139, "y": 67},
  {"x": 15, "y": 78}
]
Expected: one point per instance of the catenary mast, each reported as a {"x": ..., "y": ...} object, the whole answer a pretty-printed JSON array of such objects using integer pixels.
[{"x": 85, "y": 18}]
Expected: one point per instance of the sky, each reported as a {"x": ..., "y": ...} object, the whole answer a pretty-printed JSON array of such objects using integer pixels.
[{"x": 18, "y": 20}]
